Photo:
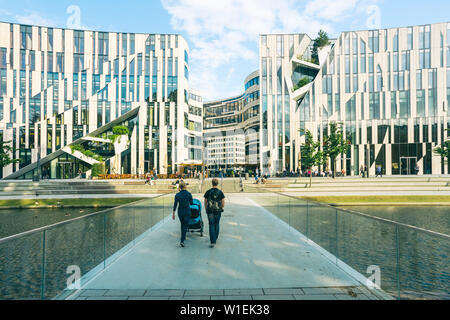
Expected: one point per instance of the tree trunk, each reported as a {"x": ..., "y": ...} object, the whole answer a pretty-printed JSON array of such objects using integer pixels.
[
  {"x": 333, "y": 165},
  {"x": 310, "y": 178}
]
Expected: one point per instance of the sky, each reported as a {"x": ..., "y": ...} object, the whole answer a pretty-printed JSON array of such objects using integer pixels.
[{"x": 223, "y": 34}]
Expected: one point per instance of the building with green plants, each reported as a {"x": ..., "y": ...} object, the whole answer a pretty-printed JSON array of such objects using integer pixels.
[{"x": 75, "y": 100}]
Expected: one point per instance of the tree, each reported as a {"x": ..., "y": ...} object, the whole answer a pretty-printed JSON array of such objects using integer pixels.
[
  {"x": 334, "y": 144},
  {"x": 444, "y": 151},
  {"x": 320, "y": 42},
  {"x": 5, "y": 152},
  {"x": 311, "y": 156}
]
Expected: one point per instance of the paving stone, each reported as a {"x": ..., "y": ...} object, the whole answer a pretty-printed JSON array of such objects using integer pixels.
[
  {"x": 93, "y": 293},
  {"x": 107, "y": 298},
  {"x": 324, "y": 291},
  {"x": 191, "y": 298},
  {"x": 209, "y": 292},
  {"x": 231, "y": 297},
  {"x": 315, "y": 297},
  {"x": 129, "y": 293},
  {"x": 282, "y": 291},
  {"x": 74, "y": 296},
  {"x": 164, "y": 293},
  {"x": 148, "y": 298},
  {"x": 274, "y": 297},
  {"x": 349, "y": 297},
  {"x": 238, "y": 292}
]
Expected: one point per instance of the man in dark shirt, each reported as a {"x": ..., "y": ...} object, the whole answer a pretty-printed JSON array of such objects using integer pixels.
[
  {"x": 214, "y": 204},
  {"x": 183, "y": 200}
]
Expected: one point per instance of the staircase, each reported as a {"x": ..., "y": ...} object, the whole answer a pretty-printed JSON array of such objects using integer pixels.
[
  {"x": 391, "y": 185},
  {"x": 84, "y": 187}
]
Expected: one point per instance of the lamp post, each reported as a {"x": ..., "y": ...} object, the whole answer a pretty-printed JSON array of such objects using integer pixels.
[{"x": 203, "y": 159}]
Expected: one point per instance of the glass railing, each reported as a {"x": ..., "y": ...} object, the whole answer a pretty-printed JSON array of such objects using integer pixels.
[
  {"x": 405, "y": 261},
  {"x": 37, "y": 264}
]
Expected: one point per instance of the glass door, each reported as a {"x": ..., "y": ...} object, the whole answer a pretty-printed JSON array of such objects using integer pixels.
[
  {"x": 408, "y": 166},
  {"x": 412, "y": 165},
  {"x": 64, "y": 170}
]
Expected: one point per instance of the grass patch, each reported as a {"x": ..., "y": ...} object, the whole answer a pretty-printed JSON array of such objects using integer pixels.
[
  {"x": 84, "y": 202},
  {"x": 379, "y": 199}
]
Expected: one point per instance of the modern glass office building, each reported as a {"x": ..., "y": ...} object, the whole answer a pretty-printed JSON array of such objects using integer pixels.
[
  {"x": 63, "y": 92},
  {"x": 389, "y": 88},
  {"x": 66, "y": 96},
  {"x": 231, "y": 129}
]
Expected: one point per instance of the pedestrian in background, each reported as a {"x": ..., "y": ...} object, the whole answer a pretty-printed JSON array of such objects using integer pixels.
[{"x": 379, "y": 172}]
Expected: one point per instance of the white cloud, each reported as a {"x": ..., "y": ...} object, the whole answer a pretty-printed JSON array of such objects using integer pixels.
[
  {"x": 34, "y": 18},
  {"x": 226, "y": 33}
]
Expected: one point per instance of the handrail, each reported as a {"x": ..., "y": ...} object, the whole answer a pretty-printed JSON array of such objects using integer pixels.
[
  {"x": 52, "y": 226},
  {"x": 434, "y": 233}
]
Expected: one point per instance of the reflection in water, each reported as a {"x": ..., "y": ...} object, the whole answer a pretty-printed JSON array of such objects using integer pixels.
[
  {"x": 434, "y": 218},
  {"x": 35, "y": 266},
  {"x": 14, "y": 221},
  {"x": 413, "y": 263}
]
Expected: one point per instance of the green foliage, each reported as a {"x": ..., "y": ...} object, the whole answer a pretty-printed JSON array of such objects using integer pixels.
[
  {"x": 312, "y": 60},
  {"x": 121, "y": 130},
  {"x": 320, "y": 42},
  {"x": 6, "y": 153},
  {"x": 444, "y": 150},
  {"x": 98, "y": 169},
  {"x": 334, "y": 144},
  {"x": 87, "y": 153},
  {"x": 311, "y": 156},
  {"x": 302, "y": 82}
]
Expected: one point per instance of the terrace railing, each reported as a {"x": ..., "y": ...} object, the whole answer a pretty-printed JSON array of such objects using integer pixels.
[
  {"x": 408, "y": 261},
  {"x": 38, "y": 264}
]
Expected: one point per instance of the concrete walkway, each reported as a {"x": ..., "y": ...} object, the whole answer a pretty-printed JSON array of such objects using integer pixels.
[{"x": 256, "y": 257}]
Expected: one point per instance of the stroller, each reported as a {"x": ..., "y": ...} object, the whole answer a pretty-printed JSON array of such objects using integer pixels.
[{"x": 196, "y": 222}]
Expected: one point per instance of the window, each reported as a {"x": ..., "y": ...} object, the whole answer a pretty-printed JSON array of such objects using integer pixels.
[
  {"x": 279, "y": 46},
  {"x": 410, "y": 39},
  {"x": 3, "y": 58},
  {"x": 32, "y": 61},
  {"x": 405, "y": 60},
  {"x": 420, "y": 97},
  {"x": 59, "y": 62},
  {"x": 132, "y": 43},
  {"x": 374, "y": 41},
  {"x": 186, "y": 73},
  {"x": 424, "y": 37},
  {"x": 419, "y": 79},
  {"x": 124, "y": 44},
  {"x": 25, "y": 35},
  {"x": 78, "y": 40},
  {"x": 395, "y": 42},
  {"x": 103, "y": 43}
]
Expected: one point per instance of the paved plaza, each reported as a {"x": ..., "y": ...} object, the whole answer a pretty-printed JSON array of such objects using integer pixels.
[{"x": 257, "y": 257}]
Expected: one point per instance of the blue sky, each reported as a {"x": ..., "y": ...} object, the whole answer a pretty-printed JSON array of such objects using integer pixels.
[{"x": 223, "y": 35}]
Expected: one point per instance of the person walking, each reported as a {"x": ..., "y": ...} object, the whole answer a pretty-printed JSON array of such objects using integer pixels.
[
  {"x": 361, "y": 171},
  {"x": 214, "y": 205},
  {"x": 183, "y": 201},
  {"x": 379, "y": 172}
]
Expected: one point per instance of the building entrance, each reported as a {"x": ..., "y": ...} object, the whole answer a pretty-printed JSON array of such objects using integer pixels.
[
  {"x": 408, "y": 165},
  {"x": 64, "y": 170}
]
